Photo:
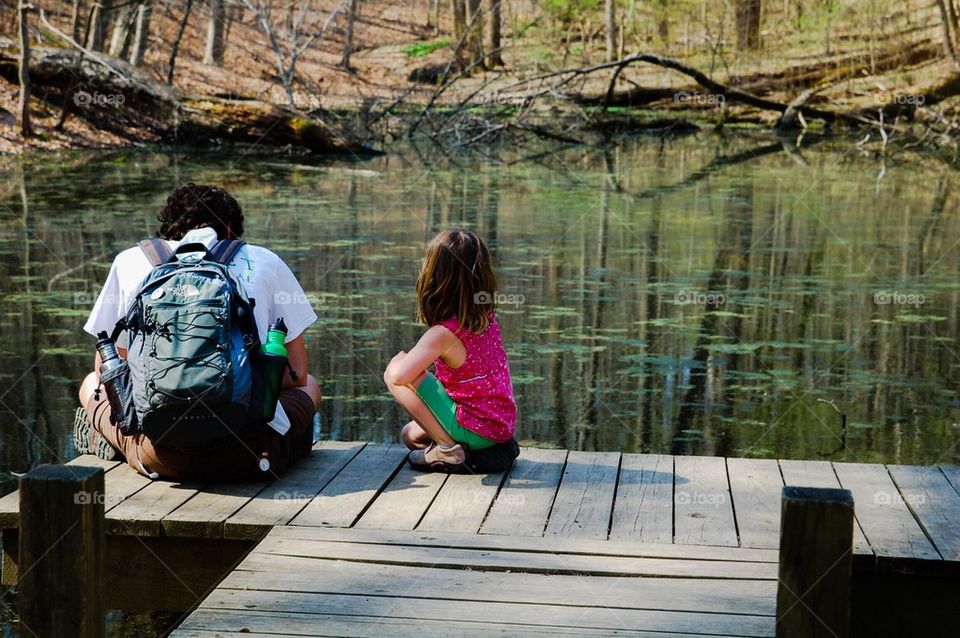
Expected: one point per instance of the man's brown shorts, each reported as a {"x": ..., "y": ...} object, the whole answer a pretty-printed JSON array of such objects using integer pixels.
[{"x": 232, "y": 460}]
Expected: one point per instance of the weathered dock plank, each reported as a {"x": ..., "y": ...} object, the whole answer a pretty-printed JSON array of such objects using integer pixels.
[
  {"x": 703, "y": 510},
  {"x": 283, "y": 499},
  {"x": 536, "y": 615},
  {"x": 890, "y": 528},
  {"x": 643, "y": 507},
  {"x": 402, "y": 503},
  {"x": 272, "y": 552},
  {"x": 462, "y": 503},
  {"x": 343, "y": 500},
  {"x": 584, "y": 500},
  {"x": 523, "y": 504},
  {"x": 931, "y": 497},
  {"x": 142, "y": 513},
  {"x": 596, "y": 547},
  {"x": 209, "y": 623},
  {"x": 756, "y": 486},
  {"x": 203, "y": 515},
  {"x": 358, "y": 578}
]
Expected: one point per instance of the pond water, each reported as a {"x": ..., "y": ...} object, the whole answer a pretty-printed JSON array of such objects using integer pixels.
[
  {"x": 706, "y": 294},
  {"x": 702, "y": 294}
]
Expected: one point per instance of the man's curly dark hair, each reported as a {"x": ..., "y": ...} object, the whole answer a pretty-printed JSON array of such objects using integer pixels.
[{"x": 195, "y": 206}]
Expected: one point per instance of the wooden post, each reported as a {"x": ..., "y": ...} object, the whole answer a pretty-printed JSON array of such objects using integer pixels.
[
  {"x": 816, "y": 559},
  {"x": 61, "y": 551}
]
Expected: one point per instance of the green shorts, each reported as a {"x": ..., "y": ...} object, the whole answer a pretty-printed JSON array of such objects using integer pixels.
[{"x": 435, "y": 396}]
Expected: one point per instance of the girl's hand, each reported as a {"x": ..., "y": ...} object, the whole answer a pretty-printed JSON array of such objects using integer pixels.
[{"x": 405, "y": 368}]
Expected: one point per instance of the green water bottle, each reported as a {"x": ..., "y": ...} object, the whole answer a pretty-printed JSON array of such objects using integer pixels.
[{"x": 275, "y": 363}]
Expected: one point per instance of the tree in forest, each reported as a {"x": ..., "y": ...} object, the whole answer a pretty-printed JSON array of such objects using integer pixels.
[
  {"x": 171, "y": 65},
  {"x": 748, "y": 24},
  {"x": 75, "y": 20},
  {"x": 458, "y": 9},
  {"x": 213, "y": 52},
  {"x": 352, "y": 6},
  {"x": 610, "y": 28},
  {"x": 494, "y": 59},
  {"x": 948, "y": 15},
  {"x": 23, "y": 105},
  {"x": 141, "y": 32},
  {"x": 99, "y": 20},
  {"x": 473, "y": 41},
  {"x": 123, "y": 18},
  {"x": 297, "y": 41}
]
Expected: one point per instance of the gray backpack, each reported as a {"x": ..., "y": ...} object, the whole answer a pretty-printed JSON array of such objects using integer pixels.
[{"x": 194, "y": 347}]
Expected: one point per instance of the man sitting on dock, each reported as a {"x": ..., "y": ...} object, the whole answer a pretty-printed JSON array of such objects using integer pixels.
[{"x": 196, "y": 214}]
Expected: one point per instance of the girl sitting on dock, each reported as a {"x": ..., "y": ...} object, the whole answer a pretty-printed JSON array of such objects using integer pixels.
[{"x": 467, "y": 405}]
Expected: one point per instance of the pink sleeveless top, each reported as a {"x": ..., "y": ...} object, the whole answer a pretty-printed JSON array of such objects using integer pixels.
[{"x": 481, "y": 387}]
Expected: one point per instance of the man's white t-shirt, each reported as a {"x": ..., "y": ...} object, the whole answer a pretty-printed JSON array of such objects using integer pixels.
[{"x": 264, "y": 276}]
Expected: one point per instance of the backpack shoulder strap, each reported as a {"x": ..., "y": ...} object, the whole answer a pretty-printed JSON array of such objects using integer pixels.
[
  {"x": 156, "y": 251},
  {"x": 225, "y": 250}
]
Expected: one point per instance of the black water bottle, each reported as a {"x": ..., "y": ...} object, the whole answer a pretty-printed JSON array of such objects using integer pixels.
[{"x": 115, "y": 378}]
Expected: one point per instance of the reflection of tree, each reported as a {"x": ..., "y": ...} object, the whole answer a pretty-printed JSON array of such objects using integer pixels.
[
  {"x": 728, "y": 274},
  {"x": 650, "y": 330},
  {"x": 592, "y": 378}
]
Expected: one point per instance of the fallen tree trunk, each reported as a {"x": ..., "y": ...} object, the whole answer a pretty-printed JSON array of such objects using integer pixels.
[{"x": 120, "y": 98}]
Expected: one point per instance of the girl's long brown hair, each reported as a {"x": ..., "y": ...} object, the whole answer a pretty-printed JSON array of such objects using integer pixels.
[{"x": 456, "y": 280}]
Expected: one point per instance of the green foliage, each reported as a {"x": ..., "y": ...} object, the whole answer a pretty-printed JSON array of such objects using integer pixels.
[
  {"x": 422, "y": 49},
  {"x": 570, "y": 10}
]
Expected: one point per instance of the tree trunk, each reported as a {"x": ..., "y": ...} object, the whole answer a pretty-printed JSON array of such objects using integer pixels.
[
  {"x": 348, "y": 40},
  {"x": 458, "y": 8},
  {"x": 610, "y": 26},
  {"x": 75, "y": 21},
  {"x": 120, "y": 38},
  {"x": 949, "y": 21},
  {"x": 748, "y": 24},
  {"x": 495, "y": 21},
  {"x": 474, "y": 40},
  {"x": 98, "y": 24},
  {"x": 176, "y": 43},
  {"x": 213, "y": 53},
  {"x": 23, "y": 106},
  {"x": 142, "y": 34}
]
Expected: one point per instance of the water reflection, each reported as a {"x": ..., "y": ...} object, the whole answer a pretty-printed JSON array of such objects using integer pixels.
[{"x": 688, "y": 295}]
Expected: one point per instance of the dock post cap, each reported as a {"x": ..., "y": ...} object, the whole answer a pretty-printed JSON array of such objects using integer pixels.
[
  {"x": 824, "y": 494},
  {"x": 53, "y": 472}
]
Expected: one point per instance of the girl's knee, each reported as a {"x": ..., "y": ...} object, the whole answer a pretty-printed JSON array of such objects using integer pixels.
[{"x": 413, "y": 435}]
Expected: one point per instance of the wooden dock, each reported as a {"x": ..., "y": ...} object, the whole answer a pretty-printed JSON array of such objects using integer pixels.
[{"x": 352, "y": 542}]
